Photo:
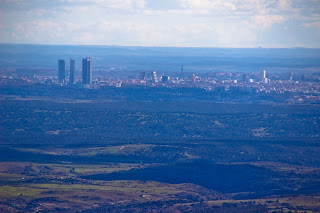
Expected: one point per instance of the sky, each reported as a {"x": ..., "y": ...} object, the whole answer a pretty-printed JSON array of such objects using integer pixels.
[{"x": 178, "y": 23}]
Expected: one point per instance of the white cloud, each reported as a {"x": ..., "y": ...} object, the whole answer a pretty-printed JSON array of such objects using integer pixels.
[
  {"x": 313, "y": 25},
  {"x": 208, "y": 4},
  {"x": 246, "y": 7},
  {"x": 233, "y": 23},
  {"x": 263, "y": 21},
  {"x": 16, "y": 2},
  {"x": 147, "y": 33},
  {"x": 113, "y": 4},
  {"x": 120, "y": 4},
  {"x": 284, "y": 4},
  {"x": 36, "y": 30}
]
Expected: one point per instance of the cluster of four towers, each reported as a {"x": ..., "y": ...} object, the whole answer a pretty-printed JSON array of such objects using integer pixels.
[{"x": 86, "y": 71}]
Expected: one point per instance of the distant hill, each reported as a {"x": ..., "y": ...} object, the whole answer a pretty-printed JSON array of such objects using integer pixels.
[{"x": 162, "y": 58}]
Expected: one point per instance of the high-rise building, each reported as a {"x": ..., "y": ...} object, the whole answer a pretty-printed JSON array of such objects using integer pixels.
[
  {"x": 142, "y": 75},
  {"x": 61, "y": 71},
  {"x": 72, "y": 79},
  {"x": 244, "y": 78},
  {"x": 263, "y": 76},
  {"x": 86, "y": 70},
  {"x": 165, "y": 78},
  {"x": 154, "y": 76}
]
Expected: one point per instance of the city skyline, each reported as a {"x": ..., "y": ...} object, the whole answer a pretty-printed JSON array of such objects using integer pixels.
[{"x": 179, "y": 23}]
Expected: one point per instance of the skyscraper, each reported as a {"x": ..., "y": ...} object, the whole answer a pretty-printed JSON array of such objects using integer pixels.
[
  {"x": 72, "y": 79},
  {"x": 263, "y": 76},
  {"x": 142, "y": 75},
  {"x": 244, "y": 78},
  {"x": 61, "y": 71},
  {"x": 86, "y": 70},
  {"x": 154, "y": 76},
  {"x": 165, "y": 78}
]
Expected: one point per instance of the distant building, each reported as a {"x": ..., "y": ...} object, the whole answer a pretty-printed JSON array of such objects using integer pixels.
[
  {"x": 263, "y": 75},
  {"x": 61, "y": 71},
  {"x": 244, "y": 78},
  {"x": 165, "y": 78},
  {"x": 72, "y": 79},
  {"x": 87, "y": 70},
  {"x": 142, "y": 75},
  {"x": 195, "y": 78},
  {"x": 154, "y": 76}
]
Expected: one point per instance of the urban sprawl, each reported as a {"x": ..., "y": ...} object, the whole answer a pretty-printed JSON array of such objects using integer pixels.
[{"x": 298, "y": 88}]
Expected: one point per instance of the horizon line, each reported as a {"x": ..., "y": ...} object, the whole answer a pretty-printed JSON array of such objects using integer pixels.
[{"x": 199, "y": 47}]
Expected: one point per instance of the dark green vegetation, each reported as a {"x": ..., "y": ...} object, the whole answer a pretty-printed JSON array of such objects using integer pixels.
[
  {"x": 43, "y": 120},
  {"x": 163, "y": 156}
]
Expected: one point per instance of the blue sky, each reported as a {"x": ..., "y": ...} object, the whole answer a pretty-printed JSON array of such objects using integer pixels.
[{"x": 192, "y": 23}]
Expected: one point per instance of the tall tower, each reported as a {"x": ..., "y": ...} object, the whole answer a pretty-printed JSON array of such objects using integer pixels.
[
  {"x": 72, "y": 79},
  {"x": 244, "y": 78},
  {"x": 86, "y": 70},
  {"x": 61, "y": 71},
  {"x": 154, "y": 76},
  {"x": 263, "y": 75},
  {"x": 142, "y": 75}
]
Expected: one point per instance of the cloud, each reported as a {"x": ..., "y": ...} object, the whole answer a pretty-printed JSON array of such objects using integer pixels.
[
  {"x": 120, "y": 4},
  {"x": 184, "y": 12},
  {"x": 235, "y": 23},
  {"x": 171, "y": 34},
  {"x": 112, "y": 4},
  {"x": 36, "y": 30},
  {"x": 313, "y": 25},
  {"x": 264, "y": 21},
  {"x": 253, "y": 7},
  {"x": 15, "y": 2},
  {"x": 284, "y": 4},
  {"x": 208, "y": 4}
]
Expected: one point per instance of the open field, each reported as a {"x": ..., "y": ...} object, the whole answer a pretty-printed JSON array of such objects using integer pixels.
[
  {"x": 35, "y": 186},
  {"x": 160, "y": 157},
  {"x": 91, "y": 151},
  {"x": 11, "y": 169},
  {"x": 41, "y": 191},
  {"x": 59, "y": 188},
  {"x": 297, "y": 204}
]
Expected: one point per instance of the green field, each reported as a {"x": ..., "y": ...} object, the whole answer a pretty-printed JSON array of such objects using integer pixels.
[{"x": 35, "y": 186}]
